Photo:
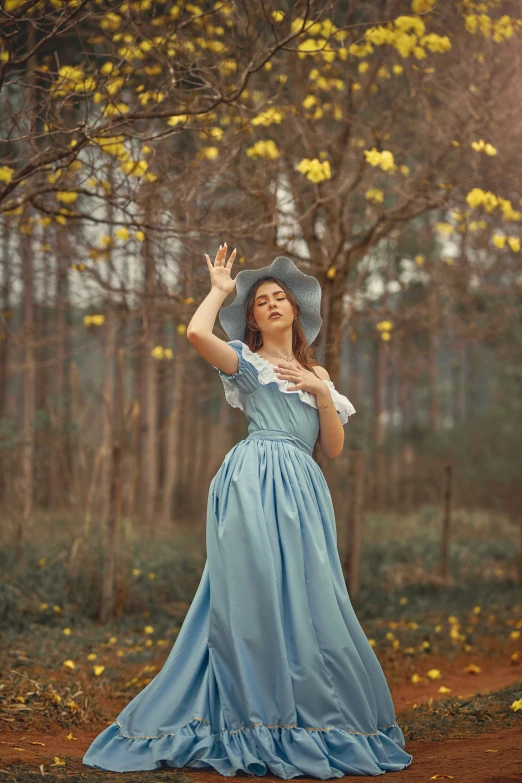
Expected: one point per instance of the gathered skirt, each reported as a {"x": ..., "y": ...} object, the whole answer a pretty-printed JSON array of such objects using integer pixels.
[{"x": 271, "y": 670}]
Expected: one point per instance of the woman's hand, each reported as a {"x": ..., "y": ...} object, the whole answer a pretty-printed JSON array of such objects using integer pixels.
[
  {"x": 220, "y": 272},
  {"x": 302, "y": 379}
]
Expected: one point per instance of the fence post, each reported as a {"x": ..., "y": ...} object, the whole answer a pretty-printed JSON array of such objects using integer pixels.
[{"x": 355, "y": 519}]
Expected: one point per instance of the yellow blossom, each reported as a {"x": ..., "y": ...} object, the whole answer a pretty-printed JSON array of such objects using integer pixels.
[
  {"x": 263, "y": 149},
  {"x": 66, "y": 197},
  {"x": 6, "y": 174},
  {"x": 268, "y": 117},
  {"x": 98, "y": 669},
  {"x": 374, "y": 194},
  {"x": 122, "y": 233},
  {"x": 315, "y": 170},
  {"x": 135, "y": 169},
  {"x": 383, "y": 159},
  {"x": 433, "y": 674},
  {"x": 69, "y": 664},
  {"x": 95, "y": 320}
]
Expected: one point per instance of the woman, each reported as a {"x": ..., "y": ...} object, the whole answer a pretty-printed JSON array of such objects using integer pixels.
[{"x": 271, "y": 670}]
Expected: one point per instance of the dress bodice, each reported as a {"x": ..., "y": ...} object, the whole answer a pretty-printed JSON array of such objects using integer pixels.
[{"x": 269, "y": 403}]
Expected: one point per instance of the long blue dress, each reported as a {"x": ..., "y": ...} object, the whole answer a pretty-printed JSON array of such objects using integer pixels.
[{"x": 271, "y": 670}]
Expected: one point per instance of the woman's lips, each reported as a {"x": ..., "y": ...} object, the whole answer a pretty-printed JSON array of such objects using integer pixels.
[{"x": 275, "y": 315}]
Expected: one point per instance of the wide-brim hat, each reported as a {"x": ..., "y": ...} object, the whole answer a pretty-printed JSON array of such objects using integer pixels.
[{"x": 305, "y": 288}]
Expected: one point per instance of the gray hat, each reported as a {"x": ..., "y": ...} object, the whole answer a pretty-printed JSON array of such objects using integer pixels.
[{"x": 305, "y": 288}]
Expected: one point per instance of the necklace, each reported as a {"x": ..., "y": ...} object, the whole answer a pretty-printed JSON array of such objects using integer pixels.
[{"x": 291, "y": 359}]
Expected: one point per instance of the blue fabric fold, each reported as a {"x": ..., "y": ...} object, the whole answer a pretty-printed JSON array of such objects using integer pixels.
[{"x": 285, "y": 752}]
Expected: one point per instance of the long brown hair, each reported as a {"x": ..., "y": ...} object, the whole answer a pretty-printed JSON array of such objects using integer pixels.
[{"x": 303, "y": 352}]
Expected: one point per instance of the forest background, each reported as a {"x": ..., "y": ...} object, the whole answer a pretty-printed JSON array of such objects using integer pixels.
[{"x": 377, "y": 144}]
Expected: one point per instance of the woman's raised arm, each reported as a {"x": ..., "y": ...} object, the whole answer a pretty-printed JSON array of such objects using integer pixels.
[{"x": 200, "y": 329}]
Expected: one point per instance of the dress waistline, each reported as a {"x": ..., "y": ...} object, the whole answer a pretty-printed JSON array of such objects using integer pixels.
[{"x": 282, "y": 435}]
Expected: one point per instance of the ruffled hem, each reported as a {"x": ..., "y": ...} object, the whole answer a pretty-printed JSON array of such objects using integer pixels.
[
  {"x": 267, "y": 374},
  {"x": 285, "y": 752}
]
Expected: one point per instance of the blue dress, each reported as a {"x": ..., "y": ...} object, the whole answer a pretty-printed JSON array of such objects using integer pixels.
[{"x": 271, "y": 671}]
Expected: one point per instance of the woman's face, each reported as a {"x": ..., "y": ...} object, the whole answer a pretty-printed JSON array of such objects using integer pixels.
[{"x": 269, "y": 300}]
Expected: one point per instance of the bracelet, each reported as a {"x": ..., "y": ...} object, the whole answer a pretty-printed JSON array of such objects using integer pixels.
[{"x": 322, "y": 407}]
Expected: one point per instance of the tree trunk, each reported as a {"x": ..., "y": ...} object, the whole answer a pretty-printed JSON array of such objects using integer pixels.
[
  {"x": 29, "y": 377},
  {"x": 172, "y": 451}
]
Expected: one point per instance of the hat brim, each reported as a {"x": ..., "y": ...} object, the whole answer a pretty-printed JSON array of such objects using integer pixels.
[{"x": 305, "y": 288}]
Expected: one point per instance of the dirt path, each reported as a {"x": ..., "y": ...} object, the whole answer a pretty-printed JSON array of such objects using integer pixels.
[{"x": 485, "y": 758}]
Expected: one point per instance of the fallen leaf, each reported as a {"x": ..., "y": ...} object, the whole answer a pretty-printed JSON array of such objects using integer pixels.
[{"x": 37, "y": 743}]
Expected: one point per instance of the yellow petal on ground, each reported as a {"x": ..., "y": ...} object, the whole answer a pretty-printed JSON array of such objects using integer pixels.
[
  {"x": 443, "y": 689},
  {"x": 37, "y": 743},
  {"x": 98, "y": 670},
  {"x": 473, "y": 669},
  {"x": 70, "y": 736},
  {"x": 57, "y": 762},
  {"x": 433, "y": 674},
  {"x": 70, "y": 664}
]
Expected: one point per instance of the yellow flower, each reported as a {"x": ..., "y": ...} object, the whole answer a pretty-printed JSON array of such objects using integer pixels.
[
  {"x": 372, "y": 642},
  {"x": 443, "y": 689},
  {"x": 136, "y": 572},
  {"x": 177, "y": 119},
  {"x": 122, "y": 233},
  {"x": 140, "y": 236},
  {"x": 514, "y": 635},
  {"x": 473, "y": 669},
  {"x": 67, "y": 631},
  {"x": 134, "y": 168},
  {"x": 416, "y": 678},
  {"x": 514, "y": 244},
  {"x": 66, "y": 197},
  {"x": 113, "y": 640},
  {"x": 157, "y": 352},
  {"x": 433, "y": 674},
  {"x": 57, "y": 762},
  {"x": 69, "y": 664},
  {"x": 403, "y": 600},
  {"x": 95, "y": 320},
  {"x": 98, "y": 670},
  {"x": 315, "y": 170},
  {"x": 92, "y": 657},
  {"x": 516, "y": 705},
  {"x": 6, "y": 174},
  {"x": 181, "y": 328},
  {"x": 148, "y": 629},
  {"x": 383, "y": 159},
  {"x": 278, "y": 16},
  {"x": 268, "y": 117},
  {"x": 374, "y": 194},
  {"x": 208, "y": 153},
  {"x": 263, "y": 149}
]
